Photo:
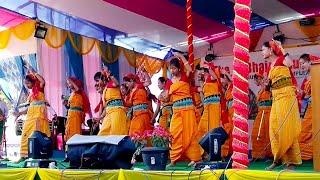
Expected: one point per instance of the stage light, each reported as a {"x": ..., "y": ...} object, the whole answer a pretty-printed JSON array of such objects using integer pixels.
[
  {"x": 41, "y": 31},
  {"x": 278, "y": 35}
]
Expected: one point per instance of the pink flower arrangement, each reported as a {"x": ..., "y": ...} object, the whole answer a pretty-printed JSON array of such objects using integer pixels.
[{"x": 159, "y": 137}]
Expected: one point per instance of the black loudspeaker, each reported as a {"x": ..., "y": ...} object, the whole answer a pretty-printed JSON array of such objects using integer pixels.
[
  {"x": 60, "y": 124},
  {"x": 100, "y": 152},
  {"x": 213, "y": 141},
  {"x": 39, "y": 146}
]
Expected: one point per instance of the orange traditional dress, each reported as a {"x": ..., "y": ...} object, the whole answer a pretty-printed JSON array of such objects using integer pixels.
[
  {"x": 141, "y": 116},
  {"x": 226, "y": 149},
  {"x": 76, "y": 115},
  {"x": 183, "y": 125},
  {"x": 36, "y": 120},
  {"x": 305, "y": 138},
  {"x": 285, "y": 125},
  {"x": 211, "y": 115},
  {"x": 165, "y": 112},
  {"x": 126, "y": 103},
  {"x": 261, "y": 146},
  {"x": 115, "y": 115},
  {"x": 197, "y": 102}
]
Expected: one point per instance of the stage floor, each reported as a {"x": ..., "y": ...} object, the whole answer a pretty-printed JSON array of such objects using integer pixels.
[
  {"x": 307, "y": 166},
  {"x": 256, "y": 170},
  {"x": 181, "y": 171}
]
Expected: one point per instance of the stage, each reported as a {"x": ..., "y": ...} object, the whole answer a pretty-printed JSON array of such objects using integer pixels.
[{"x": 181, "y": 171}]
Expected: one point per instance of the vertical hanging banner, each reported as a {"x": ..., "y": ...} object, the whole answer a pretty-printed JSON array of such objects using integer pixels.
[
  {"x": 190, "y": 32},
  {"x": 240, "y": 83}
]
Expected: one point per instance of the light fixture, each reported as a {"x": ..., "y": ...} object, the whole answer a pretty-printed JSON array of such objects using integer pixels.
[
  {"x": 41, "y": 31},
  {"x": 278, "y": 35}
]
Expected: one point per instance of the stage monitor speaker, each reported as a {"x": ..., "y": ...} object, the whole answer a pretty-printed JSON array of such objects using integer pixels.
[
  {"x": 39, "y": 146},
  {"x": 213, "y": 141},
  {"x": 100, "y": 152}
]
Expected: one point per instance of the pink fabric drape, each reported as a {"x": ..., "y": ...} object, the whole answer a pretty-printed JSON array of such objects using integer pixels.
[
  {"x": 51, "y": 67},
  {"x": 91, "y": 65},
  {"x": 9, "y": 19},
  {"x": 124, "y": 67}
]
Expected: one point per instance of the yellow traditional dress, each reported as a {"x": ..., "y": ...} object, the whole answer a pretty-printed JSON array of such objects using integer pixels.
[
  {"x": 115, "y": 118},
  {"x": 305, "y": 138},
  {"x": 76, "y": 115},
  {"x": 285, "y": 125},
  {"x": 183, "y": 126},
  {"x": 36, "y": 120},
  {"x": 226, "y": 149},
  {"x": 211, "y": 115},
  {"x": 261, "y": 147},
  {"x": 165, "y": 112}
]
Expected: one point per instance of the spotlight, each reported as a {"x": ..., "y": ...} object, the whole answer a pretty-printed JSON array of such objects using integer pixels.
[
  {"x": 278, "y": 35},
  {"x": 41, "y": 31}
]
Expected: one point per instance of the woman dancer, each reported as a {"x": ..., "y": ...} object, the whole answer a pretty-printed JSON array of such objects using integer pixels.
[
  {"x": 183, "y": 126},
  {"x": 285, "y": 125},
  {"x": 114, "y": 114},
  {"x": 260, "y": 133},
  {"x": 37, "y": 119}
]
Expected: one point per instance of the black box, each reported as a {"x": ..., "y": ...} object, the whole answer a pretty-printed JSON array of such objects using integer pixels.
[{"x": 39, "y": 146}]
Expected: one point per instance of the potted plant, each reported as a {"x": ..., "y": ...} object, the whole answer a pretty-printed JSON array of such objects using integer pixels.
[
  {"x": 156, "y": 157},
  {"x": 140, "y": 140}
]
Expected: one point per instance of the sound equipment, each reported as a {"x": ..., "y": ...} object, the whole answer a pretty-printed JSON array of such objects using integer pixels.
[
  {"x": 213, "y": 141},
  {"x": 93, "y": 127},
  {"x": 212, "y": 165},
  {"x": 100, "y": 152},
  {"x": 59, "y": 124},
  {"x": 41, "y": 163},
  {"x": 18, "y": 127},
  {"x": 39, "y": 146}
]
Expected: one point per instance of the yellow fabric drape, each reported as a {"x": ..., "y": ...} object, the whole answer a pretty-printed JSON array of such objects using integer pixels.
[
  {"x": 55, "y": 37},
  {"x": 19, "y": 173},
  {"x": 130, "y": 56},
  {"x": 151, "y": 65},
  {"x": 4, "y": 38},
  {"x": 24, "y": 30},
  {"x": 234, "y": 174},
  {"x": 77, "y": 174},
  {"x": 108, "y": 52},
  {"x": 167, "y": 175},
  {"x": 86, "y": 44}
]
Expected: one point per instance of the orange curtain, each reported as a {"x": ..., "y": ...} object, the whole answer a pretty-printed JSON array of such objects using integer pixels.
[{"x": 151, "y": 65}]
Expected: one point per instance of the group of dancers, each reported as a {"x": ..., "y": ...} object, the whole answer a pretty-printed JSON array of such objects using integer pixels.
[{"x": 191, "y": 103}]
